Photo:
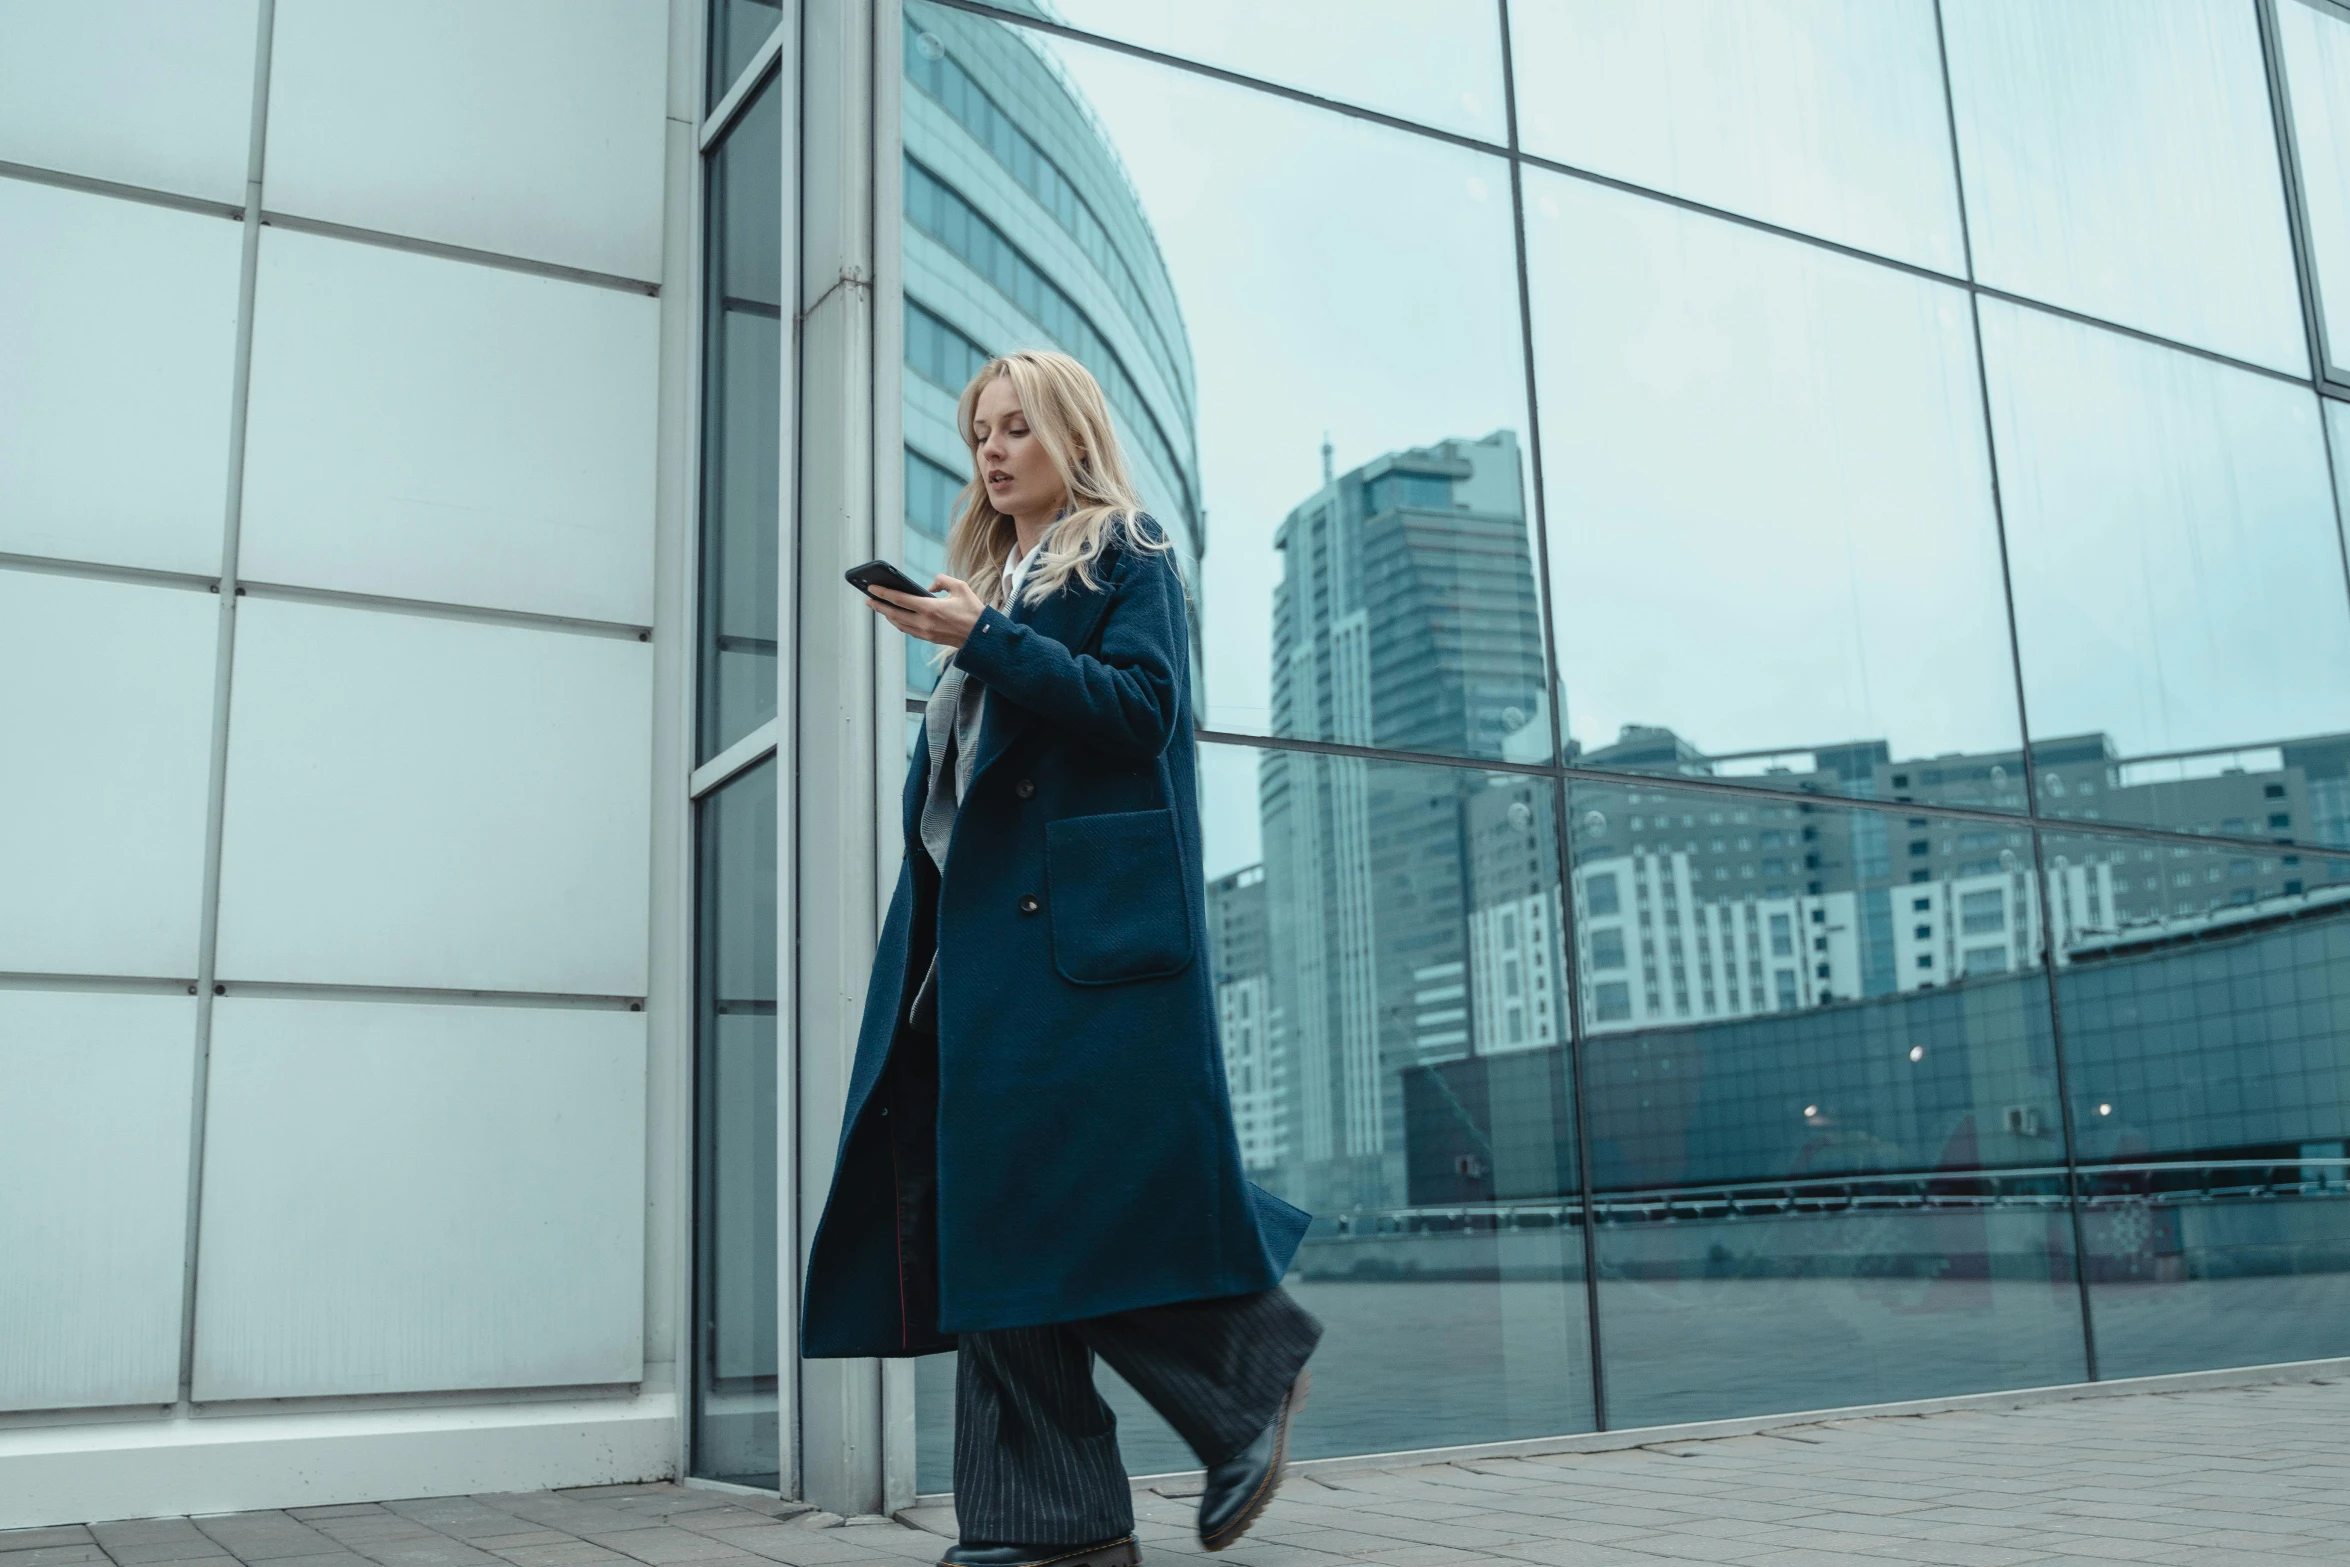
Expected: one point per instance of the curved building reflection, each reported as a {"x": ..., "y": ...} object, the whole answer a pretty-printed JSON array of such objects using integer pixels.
[{"x": 1022, "y": 231}]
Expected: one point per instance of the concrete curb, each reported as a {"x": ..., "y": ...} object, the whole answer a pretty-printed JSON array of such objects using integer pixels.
[{"x": 1749, "y": 1425}]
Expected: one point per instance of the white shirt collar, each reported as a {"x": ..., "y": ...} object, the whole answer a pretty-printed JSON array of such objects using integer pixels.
[{"x": 1016, "y": 569}]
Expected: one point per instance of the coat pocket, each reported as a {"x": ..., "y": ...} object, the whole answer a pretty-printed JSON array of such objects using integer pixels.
[{"x": 1114, "y": 889}]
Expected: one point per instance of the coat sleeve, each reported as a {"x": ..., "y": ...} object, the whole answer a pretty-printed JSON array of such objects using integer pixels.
[{"x": 1128, "y": 698}]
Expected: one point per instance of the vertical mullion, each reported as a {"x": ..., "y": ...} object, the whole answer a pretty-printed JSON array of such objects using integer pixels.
[
  {"x": 224, "y": 660},
  {"x": 2272, "y": 51},
  {"x": 1554, "y": 684},
  {"x": 2280, "y": 101},
  {"x": 900, "y": 1431},
  {"x": 2015, "y": 654},
  {"x": 788, "y": 1425}
]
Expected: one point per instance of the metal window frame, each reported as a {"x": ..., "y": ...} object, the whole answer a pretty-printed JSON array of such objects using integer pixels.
[
  {"x": 2329, "y": 373},
  {"x": 775, "y": 61}
]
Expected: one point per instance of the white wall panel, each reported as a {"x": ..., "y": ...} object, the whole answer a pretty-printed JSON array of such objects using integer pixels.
[
  {"x": 437, "y": 429},
  {"x": 156, "y": 93},
  {"x": 94, "y": 1168},
  {"x": 427, "y": 802},
  {"x": 530, "y": 127},
  {"x": 106, "y": 714},
  {"x": 403, "y": 1197},
  {"x": 118, "y": 327}
]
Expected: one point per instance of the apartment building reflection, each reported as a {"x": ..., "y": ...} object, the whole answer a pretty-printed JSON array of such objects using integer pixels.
[{"x": 1709, "y": 907}]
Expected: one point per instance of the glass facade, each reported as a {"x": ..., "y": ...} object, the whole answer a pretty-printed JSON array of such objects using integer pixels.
[{"x": 1772, "y": 630}]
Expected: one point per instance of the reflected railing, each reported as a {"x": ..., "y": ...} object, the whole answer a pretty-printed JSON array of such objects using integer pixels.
[{"x": 2164, "y": 1183}]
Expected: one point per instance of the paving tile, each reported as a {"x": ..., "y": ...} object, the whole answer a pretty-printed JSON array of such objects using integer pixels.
[
  {"x": 14, "y": 1540},
  {"x": 571, "y": 1552}
]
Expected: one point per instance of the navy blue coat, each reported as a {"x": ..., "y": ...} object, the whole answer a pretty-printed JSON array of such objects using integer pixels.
[{"x": 1084, "y": 1153}]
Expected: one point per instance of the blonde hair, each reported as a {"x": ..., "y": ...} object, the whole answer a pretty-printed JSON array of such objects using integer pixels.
[{"x": 1070, "y": 419}]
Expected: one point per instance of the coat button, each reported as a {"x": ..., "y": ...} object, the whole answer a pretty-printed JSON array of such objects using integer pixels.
[
  {"x": 1025, "y": 788},
  {"x": 1028, "y": 903}
]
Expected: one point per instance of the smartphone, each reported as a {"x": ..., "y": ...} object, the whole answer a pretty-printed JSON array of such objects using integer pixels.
[{"x": 881, "y": 574}]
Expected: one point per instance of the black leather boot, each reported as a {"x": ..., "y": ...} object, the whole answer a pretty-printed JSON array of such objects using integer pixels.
[
  {"x": 1120, "y": 1552},
  {"x": 1240, "y": 1486}
]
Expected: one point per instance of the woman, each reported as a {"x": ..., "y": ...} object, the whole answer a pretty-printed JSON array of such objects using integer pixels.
[{"x": 1037, "y": 1163}]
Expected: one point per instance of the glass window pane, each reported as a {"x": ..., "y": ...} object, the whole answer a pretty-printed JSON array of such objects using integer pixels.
[
  {"x": 741, "y": 413},
  {"x": 1437, "y": 65},
  {"x": 1819, "y": 115},
  {"x": 1371, "y": 578},
  {"x": 2120, "y": 160},
  {"x": 1764, "y": 461},
  {"x": 1822, "y": 1106},
  {"x": 735, "y": 1431},
  {"x": 737, "y": 29},
  {"x": 1391, "y": 989},
  {"x": 2179, "y": 589},
  {"x": 2205, "y": 994},
  {"x": 1411, "y": 954},
  {"x": 1022, "y": 231},
  {"x": 2316, "y": 43}
]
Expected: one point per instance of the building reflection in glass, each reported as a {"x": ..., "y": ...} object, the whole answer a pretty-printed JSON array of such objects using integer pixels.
[{"x": 1641, "y": 916}]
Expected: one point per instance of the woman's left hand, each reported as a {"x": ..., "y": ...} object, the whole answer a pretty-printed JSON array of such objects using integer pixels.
[{"x": 946, "y": 621}]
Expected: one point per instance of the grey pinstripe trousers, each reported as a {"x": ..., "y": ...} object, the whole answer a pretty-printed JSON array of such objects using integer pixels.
[{"x": 1036, "y": 1449}]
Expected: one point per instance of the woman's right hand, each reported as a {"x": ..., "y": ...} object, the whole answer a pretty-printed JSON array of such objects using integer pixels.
[{"x": 946, "y": 620}]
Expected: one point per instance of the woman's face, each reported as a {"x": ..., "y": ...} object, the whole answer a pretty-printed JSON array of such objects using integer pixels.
[{"x": 1020, "y": 479}]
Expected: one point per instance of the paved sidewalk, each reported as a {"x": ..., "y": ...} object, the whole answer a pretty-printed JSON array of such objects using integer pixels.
[{"x": 2220, "y": 1477}]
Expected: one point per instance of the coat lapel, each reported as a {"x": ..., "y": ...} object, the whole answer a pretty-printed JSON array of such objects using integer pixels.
[{"x": 1070, "y": 617}]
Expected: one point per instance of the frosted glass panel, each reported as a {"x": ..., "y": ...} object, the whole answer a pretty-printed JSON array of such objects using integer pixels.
[
  {"x": 2317, "y": 78},
  {"x": 2120, "y": 160},
  {"x": 404, "y": 1197},
  {"x": 1437, "y": 64},
  {"x": 106, "y": 706},
  {"x": 156, "y": 93},
  {"x": 94, "y": 1159},
  {"x": 530, "y": 127},
  {"x": 2178, "y": 574},
  {"x": 1762, "y": 459},
  {"x": 425, "y": 802},
  {"x": 432, "y": 429},
  {"x": 1819, "y": 115},
  {"x": 118, "y": 325}
]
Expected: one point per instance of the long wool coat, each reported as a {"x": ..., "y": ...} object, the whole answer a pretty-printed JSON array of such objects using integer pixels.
[{"x": 1083, "y": 1150}]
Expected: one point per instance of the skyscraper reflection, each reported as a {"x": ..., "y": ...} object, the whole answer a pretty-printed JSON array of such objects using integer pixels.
[{"x": 1406, "y": 619}]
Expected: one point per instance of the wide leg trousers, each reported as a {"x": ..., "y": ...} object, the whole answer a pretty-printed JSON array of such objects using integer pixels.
[{"x": 1036, "y": 1448}]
